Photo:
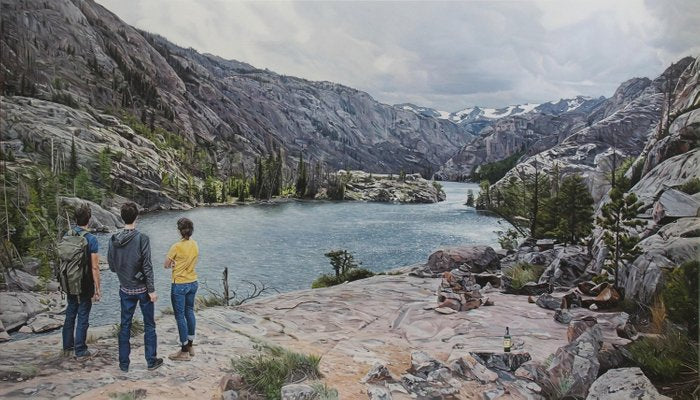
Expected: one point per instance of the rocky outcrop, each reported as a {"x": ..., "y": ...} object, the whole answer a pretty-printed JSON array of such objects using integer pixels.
[
  {"x": 16, "y": 308},
  {"x": 101, "y": 220},
  {"x": 385, "y": 188},
  {"x": 229, "y": 108},
  {"x": 568, "y": 266},
  {"x": 467, "y": 258},
  {"x": 623, "y": 384}
]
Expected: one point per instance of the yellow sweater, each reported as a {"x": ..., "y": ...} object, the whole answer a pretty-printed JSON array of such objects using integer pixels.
[{"x": 185, "y": 254}]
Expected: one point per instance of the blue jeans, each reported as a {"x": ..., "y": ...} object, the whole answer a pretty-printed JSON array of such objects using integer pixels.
[
  {"x": 128, "y": 304},
  {"x": 182, "y": 297},
  {"x": 80, "y": 308}
]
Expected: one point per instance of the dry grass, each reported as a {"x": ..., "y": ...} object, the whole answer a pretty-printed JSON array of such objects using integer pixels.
[{"x": 658, "y": 316}]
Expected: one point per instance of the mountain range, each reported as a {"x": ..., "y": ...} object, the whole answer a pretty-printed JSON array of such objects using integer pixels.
[{"x": 73, "y": 71}]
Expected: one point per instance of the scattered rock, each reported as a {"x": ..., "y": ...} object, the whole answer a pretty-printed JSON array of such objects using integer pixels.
[
  {"x": 530, "y": 300},
  {"x": 492, "y": 394},
  {"x": 488, "y": 302},
  {"x": 607, "y": 298},
  {"x": 229, "y": 395},
  {"x": 423, "y": 364},
  {"x": 545, "y": 244},
  {"x": 562, "y": 316},
  {"x": 378, "y": 373},
  {"x": 627, "y": 331},
  {"x": 4, "y": 336},
  {"x": 25, "y": 329},
  {"x": 529, "y": 370},
  {"x": 469, "y": 367},
  {"x": 593, "y": 307},
  {"x": 585, "y": 287},
  {"x": 486, "y": 278},
  {"x": 568, "y": 267},
  {"x": 508, "y": 362},
  {"x": 446, "y": 310},
  {"x": 297, "y": 391},
  {"x": 576, "y": 328},
  {"x": 548, "y": 302},
  {"x": 623, "y": 384},
  {"x": 378, "y": 393},
  {"x": 45, "y": 323},
  {"x": 231, "y": 382},
  {"x": 613, "y": 356}
]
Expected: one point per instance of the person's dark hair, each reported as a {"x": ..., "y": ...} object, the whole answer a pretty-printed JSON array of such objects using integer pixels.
[
  {"x": 186, "y": 228},
  {"x": 83, "y": 214},
  {"x": 129, "y": 212}
]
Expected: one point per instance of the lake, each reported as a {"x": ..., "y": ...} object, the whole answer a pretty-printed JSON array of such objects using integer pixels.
[{"x": 283, "y": 244}]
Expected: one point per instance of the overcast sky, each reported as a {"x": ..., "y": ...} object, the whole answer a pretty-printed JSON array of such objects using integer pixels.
[{"x": 447, "y": 55}]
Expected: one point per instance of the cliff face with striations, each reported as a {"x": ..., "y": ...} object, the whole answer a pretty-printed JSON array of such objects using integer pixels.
[{"x": 211, "y": 113}]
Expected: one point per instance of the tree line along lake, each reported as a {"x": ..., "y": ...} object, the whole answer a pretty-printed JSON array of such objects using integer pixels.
[{"x": 283, "y": 244}]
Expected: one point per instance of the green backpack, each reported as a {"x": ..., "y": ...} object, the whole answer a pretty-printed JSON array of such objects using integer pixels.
[{"x": 72, "y": 255}]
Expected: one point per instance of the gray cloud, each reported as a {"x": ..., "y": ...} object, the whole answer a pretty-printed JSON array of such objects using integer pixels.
[{"x": 447, "y": 55}]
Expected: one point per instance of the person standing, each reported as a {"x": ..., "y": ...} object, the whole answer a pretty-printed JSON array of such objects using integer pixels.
[
  {"x": 82, "y": 252},
  {"x": 129, "y": 256},
  {"x": 182, "y": 258}
]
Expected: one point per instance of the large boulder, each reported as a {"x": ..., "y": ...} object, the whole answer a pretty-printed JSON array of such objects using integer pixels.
[
  {"x": 45, "y": 322},
  {"x": 17, "y": 307},
  {"x": 672, "y": 245},
  {"x": 102, "y": 220},
  {"x": 18, "y": 280},
  {"x": 471, "y": 258},
  {"x": 624, "y": 384},
  {"x": 568, "y": 267},
  {"x": 674, "y": 204},
  {"x": 574, "y": 367}
]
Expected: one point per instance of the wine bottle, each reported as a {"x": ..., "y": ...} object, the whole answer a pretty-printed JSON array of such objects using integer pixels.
[{"x": 507, "y": 342}]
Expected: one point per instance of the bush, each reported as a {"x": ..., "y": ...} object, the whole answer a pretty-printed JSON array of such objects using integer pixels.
[
  {"x": 691, "y": 187},
  {"x": 667, "y": 357},
  {"x": 325, "y": 280},
  {"x": 680, "y": 294},
  {"x": 353, "y": 274},
  {"x": 323, "y": 392},
  {"x": 266, "y": 371},
  {"x": 523, "y": 273}
]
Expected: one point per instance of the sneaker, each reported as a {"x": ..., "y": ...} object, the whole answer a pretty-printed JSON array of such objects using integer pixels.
[
  {"x": 190, "y": 349},
  {"x": 180, "y": 355},
  {"x": 156, "y": 364},
  {"x": 89, "y": 354},
  {"x": 66, "y": 352},
  {"x": 124, "y": 369}
]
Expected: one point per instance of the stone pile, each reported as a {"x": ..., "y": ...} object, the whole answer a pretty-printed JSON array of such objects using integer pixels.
[{"x": 459, "y": 291}]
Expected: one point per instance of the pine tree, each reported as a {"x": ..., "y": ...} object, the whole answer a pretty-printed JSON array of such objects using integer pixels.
[
  {"x": 105, "y": 165},
  {"x": 73, "y": 166},
  {"x": 574, "y": 206},
  {"x": 302, "y": 177},
  {"x": 618, "y": 216}
]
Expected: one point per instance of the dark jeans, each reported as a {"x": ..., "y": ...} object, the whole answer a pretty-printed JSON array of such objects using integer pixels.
[
  {"x": 182, "y": 297},
  {"x": 80, "y": 308},
  {"x": 128, "y": 303}
]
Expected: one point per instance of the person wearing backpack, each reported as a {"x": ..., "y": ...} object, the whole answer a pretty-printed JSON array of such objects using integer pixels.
[
  {"x": 79, "y": 277},
  {"x": 182, "y": 259},
  {"x": 129, "y": 256}
]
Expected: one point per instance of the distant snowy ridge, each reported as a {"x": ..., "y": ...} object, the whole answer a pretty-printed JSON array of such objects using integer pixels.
[{"x": 485, "y": 114}]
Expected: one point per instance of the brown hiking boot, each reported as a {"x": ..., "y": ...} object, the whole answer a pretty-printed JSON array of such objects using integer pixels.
[
  {"x": 180, "y": 355},
  {"x": 190, "y": 349}
]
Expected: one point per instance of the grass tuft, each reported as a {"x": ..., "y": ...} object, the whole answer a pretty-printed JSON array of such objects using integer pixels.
[
  {"x": 136, "y": 328},
  {"x": 523, "y": 273},
  {"x": 271, "y": 367}
]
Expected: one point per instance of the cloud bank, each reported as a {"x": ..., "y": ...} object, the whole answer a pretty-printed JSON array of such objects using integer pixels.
[{"x": 446, "y": 55}]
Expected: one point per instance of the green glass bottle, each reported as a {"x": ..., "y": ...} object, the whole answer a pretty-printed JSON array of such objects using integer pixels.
[{"x": 507, "y": 341}]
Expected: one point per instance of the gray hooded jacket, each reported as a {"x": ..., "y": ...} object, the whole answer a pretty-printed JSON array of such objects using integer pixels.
[{"x": 129, "y": 256}]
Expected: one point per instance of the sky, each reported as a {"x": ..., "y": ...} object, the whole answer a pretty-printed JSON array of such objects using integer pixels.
[{"x": 446, "y": 55}]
